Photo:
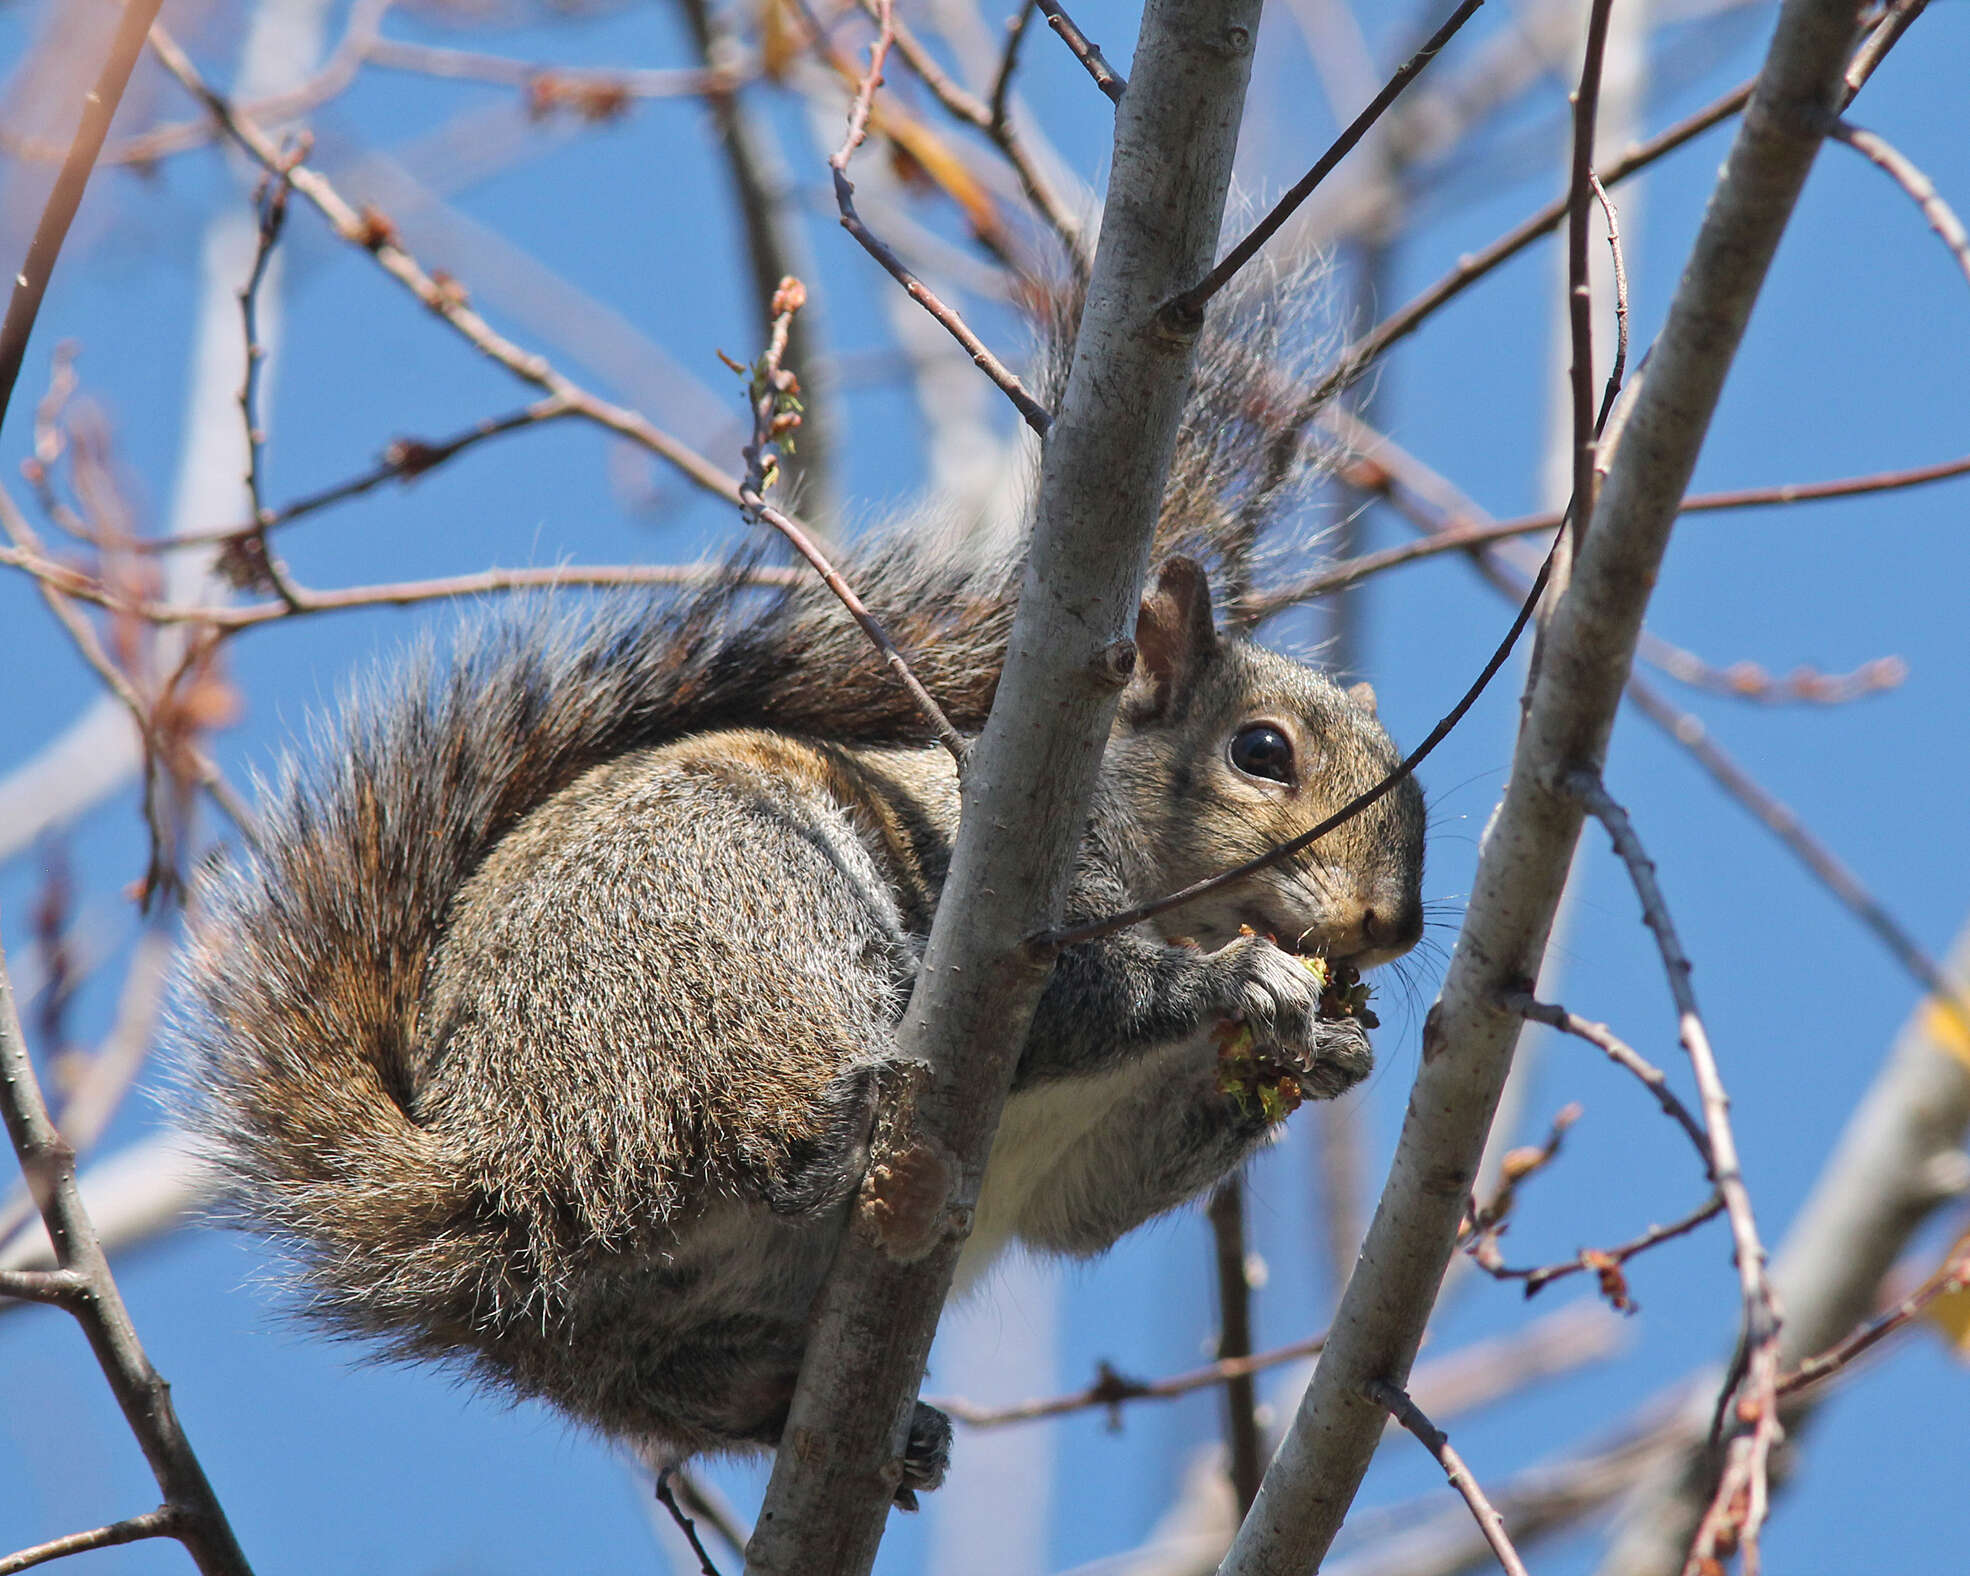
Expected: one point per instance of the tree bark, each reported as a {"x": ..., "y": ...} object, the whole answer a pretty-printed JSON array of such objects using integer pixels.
[
  {"x": 1585, "y": 657},
  {"x": 1027, "y": 788}
]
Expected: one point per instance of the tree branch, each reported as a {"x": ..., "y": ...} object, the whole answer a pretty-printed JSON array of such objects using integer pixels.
[
  {"x": 1589, "y": 648},
  {"x": 48, "y": 1163},
  {"x": 98, "y": 110},
  {"x": 160, "y": 1523},
  {"x": 1899, "y": 1159},
  {"x": 1025, "y": 798},
  {"x": 1434, "y": 1440}
]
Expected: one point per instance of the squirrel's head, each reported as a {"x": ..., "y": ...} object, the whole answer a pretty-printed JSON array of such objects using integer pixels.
[{"x": 1224, "y": 750}]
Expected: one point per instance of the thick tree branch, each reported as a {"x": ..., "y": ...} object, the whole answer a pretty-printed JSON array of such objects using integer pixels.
[
  {"x": 1026, "y": 795},
  {"x": 1589, "y": 647}
]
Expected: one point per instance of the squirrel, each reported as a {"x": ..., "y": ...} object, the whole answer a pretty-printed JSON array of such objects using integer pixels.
[{"x": 546, "y": 1022}]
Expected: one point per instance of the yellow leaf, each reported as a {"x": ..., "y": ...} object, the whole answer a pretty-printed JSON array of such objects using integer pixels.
[
  {"x": 1950, "y": 1313},
  {"x": 780, "y": 40},
  {"x": 1944, "y": 1023}
]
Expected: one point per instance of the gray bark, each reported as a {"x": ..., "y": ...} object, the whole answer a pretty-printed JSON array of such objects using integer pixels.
[
  {"x": 1027, "y": 790},
  {"x": 1585, "y": 657}
]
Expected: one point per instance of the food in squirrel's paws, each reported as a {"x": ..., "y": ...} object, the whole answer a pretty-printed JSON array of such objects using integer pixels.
[
  {"x": 1259, "y": 1080},
  {"x": 1345, "y": 996}
]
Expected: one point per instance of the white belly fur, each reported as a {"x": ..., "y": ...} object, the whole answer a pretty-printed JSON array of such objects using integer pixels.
[{"x": 1037, "y": 1127}]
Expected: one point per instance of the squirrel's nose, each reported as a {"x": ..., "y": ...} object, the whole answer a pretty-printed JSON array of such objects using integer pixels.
[
  {"x": 1382, "y": 934},
  {"x": 1397, "y": 931}
]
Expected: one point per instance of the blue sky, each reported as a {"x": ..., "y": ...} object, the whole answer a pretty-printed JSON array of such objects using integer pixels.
[{"x": 1856, "y": 361}]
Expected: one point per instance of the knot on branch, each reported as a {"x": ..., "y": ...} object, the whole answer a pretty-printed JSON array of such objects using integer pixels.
[
  {"x": 1179, "y": 320},
  {"x": 904, "y": 1199},
  {"x": 1115, "y": 664}
]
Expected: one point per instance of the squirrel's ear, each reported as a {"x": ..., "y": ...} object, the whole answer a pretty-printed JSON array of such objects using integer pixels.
[
  {"x": 1363, "y": 695},
  {"x": 1174, "y": 636}
]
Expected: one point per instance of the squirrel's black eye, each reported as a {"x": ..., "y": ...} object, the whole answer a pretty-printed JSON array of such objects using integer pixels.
[{"x": 1263, "y": 751}]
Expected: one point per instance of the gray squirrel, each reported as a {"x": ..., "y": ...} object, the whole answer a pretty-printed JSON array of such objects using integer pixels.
[{"x": 546, "y": 1025}]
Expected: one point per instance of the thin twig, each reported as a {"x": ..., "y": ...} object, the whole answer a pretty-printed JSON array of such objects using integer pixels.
[
  {"x": 1039, "y": 190},
  {"x": 1874, "y": 48},
  {"x": 403, "y": 459},
  {"x": 160, "y": 1523},
  {"x": 993, "y": 118},
  {"x": 598, "y": 92},
  {"x": 775, "y": 413},
  {"x": 947, "y": 733},
  {"x": 1406, "y": 1540},
  {"x": 1620, "y": 367},
  {"x": 1405, "y": 320},
  {"x": 1357, "y": 358},
  {"x": 1558, "y": 1343},
  {"x": 1783, "y": 822},
  {"x": 1405, "y": 1411},
  {"x": 1948, "y": 1281},
  {"x": 1112, "y": 1389},
  {"x": 1604, "y": 1263},
  {"x": 1755, "y": 1376},
  {"x": 1684, "y": 727},
  {"x": 1084, "y": 49},
  {"x": 1001, "y": 99},
  {"x": 1241, "y": 1424},
  {"x": 145, "y": 1399},
  {"x": 59, "y": 1288},
  {"x": 1188, "y": 306},
  {"x": 1031, "y": 410},
  {"x": 373, "y": 233},
  {"x": 161, "y": 871},
  {"x": 684, "y": 1523},
  {"x": 775, "y": 239},
  {"x": 704, "y": 1505},
  {"x": 1519, "y": 1165},
  {"x": 1452, "y": 522},
  {"x": 251, "y": 550},
  {"x": 1581, "y": 187},
  {"x": 113, "y": 1067},
  {"x": 1622, "y": 1055},
  {"x": 1749, "y": 681},
  {"x": 946, "y": 89},
  {"x": 1462, "y": 534},
  {"x": 72, "y": 582},
  {"x": 1903, "y": 171},
  {"x": 98, "y": 110},
  {"x": 334, "y": 77}
]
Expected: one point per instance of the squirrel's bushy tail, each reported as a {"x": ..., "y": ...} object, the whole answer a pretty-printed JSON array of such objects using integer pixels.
[
  {"x": 300, "y": 1001},
  {"x": 300, "y": 996}
]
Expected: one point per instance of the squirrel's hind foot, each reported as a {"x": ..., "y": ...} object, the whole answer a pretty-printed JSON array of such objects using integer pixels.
[{"x": 926, "y": 1458}]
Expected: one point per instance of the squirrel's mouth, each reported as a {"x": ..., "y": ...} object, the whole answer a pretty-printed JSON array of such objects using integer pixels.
[{"x": 1303, "y": 941}]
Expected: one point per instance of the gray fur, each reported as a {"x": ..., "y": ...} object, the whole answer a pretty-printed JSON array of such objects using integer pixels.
[{"x": 548, "y": 1027}]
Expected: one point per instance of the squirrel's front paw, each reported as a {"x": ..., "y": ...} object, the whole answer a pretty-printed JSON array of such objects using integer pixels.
[
  {"x": 1342, "y": 1058},
  {"x": 1273, "y": 999},
  {"x": 1272, "y": 993}
]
